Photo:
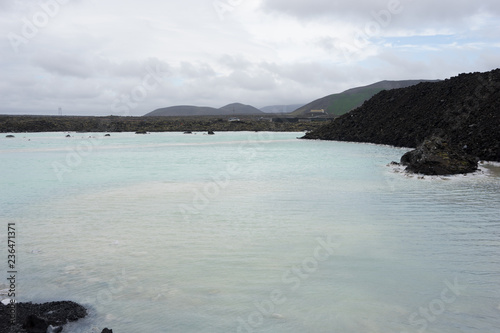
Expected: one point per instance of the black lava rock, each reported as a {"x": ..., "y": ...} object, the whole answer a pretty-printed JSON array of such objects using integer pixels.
[
  {"x": 35, "y": 324},
  {"x": 465, "y": 109},
  {"x": 435, "y": 156},
  {"x": 37, "y": 317}
]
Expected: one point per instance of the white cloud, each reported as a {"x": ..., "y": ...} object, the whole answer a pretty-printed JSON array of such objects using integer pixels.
[{"x": 83, "y": 55}]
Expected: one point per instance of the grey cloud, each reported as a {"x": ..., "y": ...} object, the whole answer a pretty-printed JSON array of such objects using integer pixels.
[
  {"x": 84, "y": 59},
  {"x": 416, "y": 13},
  {"x": 317, "y": 8},
  {"x": 196, "y": 71},
  {"x": 235, "y": 62},
  {"x": 306, "y": 73},
  {"x": 254, "y": 81},
  {"x": 64, "y": 64}
]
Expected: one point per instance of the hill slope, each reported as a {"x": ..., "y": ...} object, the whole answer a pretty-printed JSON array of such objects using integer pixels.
[
  {"x": 339, "y": 104},
  {"x": 189, "y": 110},
  {"x": 238, "y": 108},
  {"x": 281, "y": 108},
  {"x": 465, "y": 109},
  {"x": 183, "y": 110}
]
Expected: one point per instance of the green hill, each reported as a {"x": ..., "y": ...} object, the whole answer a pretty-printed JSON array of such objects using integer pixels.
[{"x": 339, "y": 104}]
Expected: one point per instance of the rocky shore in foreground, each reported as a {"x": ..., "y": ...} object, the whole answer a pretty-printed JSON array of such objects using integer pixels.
[
  {"x": 463, "y": 112},
  {"x": 40, "y": 318}
]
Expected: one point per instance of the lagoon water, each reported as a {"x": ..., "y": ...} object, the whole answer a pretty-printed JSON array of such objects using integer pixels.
[{"x": 248, "y": 232}]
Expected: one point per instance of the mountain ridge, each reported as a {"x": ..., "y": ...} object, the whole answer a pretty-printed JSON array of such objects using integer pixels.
[
  {"x": 191, "y": 110},
  {"x": 334, "y": 104}
]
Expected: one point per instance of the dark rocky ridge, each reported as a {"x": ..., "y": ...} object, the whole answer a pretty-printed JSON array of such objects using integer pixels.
[{"x": 464, "y": 110}]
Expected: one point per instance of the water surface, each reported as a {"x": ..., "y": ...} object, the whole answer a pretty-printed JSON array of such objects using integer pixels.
[{"x": 249, "y": 232}]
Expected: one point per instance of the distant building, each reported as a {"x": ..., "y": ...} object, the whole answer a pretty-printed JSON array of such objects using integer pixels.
[
  {"x": 233, "y": 119},
  {"x": 316, "y": 113}
]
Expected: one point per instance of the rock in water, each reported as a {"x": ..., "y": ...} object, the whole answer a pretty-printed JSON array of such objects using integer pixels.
[{"x": 436, "y": 156}]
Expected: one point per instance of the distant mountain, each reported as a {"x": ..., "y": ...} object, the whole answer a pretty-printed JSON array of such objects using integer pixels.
[
  {"x": 281, "y": 108},
  {"x": 238, "y": 108},
  {"x": 189, "y": 110},
  {"x": 183, "y": 110},
  {"x": 339, "y": 104}
]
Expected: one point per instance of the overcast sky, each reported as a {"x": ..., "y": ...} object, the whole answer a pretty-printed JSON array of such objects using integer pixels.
[{"x": 123, "y": 57}]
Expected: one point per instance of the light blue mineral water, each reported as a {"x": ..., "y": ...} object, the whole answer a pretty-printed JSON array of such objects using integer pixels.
[{"x": 248, "y": 232}]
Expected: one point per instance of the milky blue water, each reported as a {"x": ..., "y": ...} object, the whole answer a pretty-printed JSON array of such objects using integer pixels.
[{"x": 248, "y": 232}]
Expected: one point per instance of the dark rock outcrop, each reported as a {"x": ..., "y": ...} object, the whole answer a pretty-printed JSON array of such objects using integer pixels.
[
  {"x": 39, "y": 317},
  {"x": 435, "y": 156},
  {"x": 465, "y": 109}
]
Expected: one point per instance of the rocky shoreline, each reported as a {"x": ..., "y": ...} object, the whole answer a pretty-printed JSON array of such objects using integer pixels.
[
  {"x": 463, "y": 111},
  {"x": 40, "y": 318},
  {"x": 26, "y": 123}
]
